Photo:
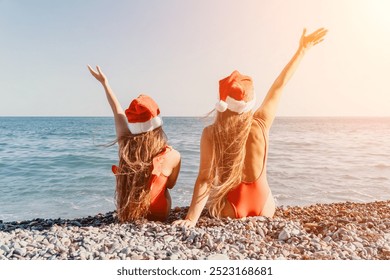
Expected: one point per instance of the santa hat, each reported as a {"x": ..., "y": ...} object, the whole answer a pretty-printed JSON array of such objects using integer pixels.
[
  {"x": 143, "y": 115},
  {"x": 233, "y": 90}
]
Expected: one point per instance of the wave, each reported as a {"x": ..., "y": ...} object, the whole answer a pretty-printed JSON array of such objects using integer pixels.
[
  {"x": 381, "y": 178},
  {"x": 382, "y": 166}
]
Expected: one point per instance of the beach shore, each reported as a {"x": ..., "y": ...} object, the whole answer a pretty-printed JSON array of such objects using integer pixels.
[{"x": 322, "y": 231}]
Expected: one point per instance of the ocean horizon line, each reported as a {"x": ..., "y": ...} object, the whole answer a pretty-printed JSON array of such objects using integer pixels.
[{"x": 201, "y": 116}]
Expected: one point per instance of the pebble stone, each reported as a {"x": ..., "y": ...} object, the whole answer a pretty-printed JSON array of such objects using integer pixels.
[{"x": 322, "y": 231}]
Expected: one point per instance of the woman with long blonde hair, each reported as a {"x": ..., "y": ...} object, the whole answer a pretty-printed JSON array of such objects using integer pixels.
[
  {"x": 232, "y": 177},
  {"x": 148, "y": 167}
]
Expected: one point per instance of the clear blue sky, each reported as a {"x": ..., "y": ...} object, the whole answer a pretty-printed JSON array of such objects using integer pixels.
[{"x": 177, "y": 50}]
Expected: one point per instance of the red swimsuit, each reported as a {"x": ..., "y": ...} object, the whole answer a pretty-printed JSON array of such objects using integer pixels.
[
  {"x": 249, "y": 198},
  {"x": 159, "y": 206}
]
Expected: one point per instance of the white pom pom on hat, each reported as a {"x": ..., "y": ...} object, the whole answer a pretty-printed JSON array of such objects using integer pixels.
[{"x": 221, "y": 106}]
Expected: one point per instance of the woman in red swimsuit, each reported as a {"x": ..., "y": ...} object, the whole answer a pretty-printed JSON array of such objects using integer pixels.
[
  {"x": 148, "y": 167},
  {"x": 232, "y": 177}
]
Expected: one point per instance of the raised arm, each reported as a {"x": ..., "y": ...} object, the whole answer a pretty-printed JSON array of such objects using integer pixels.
[
  {"x": 201, "y": 189},
  {"x": 267, "y": 110},
  {"x": 121, "y": 126}
]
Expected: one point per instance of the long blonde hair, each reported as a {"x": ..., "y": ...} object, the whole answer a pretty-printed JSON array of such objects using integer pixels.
[
  {"x": 229, "y": 136},
  {"x": 134, "y": 173}
]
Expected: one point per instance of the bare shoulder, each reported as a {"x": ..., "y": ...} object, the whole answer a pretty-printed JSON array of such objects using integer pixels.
[
  {"x": 260, "y": 125},
  {"x": 171, "y": 163},
  {"x": 258, "y": 130},
  {"x": 207, "y": 133},
  {"x": 173, "y": 155},
  {"x": 260, "y": 116}
]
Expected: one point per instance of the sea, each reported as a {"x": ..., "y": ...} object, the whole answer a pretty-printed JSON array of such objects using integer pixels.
[{"x": 60, "y": 167}]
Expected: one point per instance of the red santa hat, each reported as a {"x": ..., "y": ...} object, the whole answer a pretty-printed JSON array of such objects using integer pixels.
[
  {"x": 233, "y": 91},
  {"x": 143, "y": 115}
]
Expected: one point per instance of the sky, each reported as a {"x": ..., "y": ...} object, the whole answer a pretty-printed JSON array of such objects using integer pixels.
[{"x": 177, "y": 50}]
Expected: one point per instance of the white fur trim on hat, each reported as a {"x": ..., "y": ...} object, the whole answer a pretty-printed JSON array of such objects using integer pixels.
[
  {"x": 141, "y": 127},
  {"x": 221, "y": 106},
  {"x": 235, "y": 105}
]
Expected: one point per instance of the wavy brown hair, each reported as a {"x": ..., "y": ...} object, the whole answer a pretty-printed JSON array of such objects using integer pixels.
[
  {"x": 136, "y": 155},
  {"x": 229, "y": 136}
]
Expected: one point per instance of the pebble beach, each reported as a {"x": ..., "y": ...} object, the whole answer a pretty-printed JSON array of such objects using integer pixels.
[{"x": 337, "y": 231}]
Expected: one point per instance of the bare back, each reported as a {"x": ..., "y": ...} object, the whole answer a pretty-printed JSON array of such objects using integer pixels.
[
  {"x": 170, "y": 167},
  {"x": 255, "y": 152}
]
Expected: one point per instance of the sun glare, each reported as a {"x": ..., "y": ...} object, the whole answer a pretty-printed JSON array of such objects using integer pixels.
[{"x": 378, "y": 13}]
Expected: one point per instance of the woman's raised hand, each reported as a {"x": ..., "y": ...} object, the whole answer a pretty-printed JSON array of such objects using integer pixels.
[
  {"x": 98, "y": 75},
  {"x": 306, "y": 42}
]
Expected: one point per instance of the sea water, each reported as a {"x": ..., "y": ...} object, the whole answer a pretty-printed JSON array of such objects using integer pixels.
[{"x": 53, "y": 167}]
